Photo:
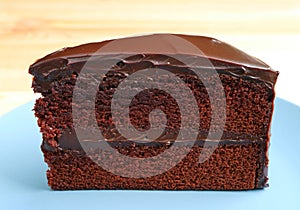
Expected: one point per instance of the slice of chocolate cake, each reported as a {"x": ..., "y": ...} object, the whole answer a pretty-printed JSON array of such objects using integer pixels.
[{"x": 159, "y": 112}]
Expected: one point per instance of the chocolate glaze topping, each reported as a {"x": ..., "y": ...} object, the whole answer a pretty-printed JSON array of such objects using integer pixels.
[{"x": 150, "y": 51}]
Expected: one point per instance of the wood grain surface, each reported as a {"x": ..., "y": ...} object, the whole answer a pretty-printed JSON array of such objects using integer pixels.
[{"x": 33, "y": 28}]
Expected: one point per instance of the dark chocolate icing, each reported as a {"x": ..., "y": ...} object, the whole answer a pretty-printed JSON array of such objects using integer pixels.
[
  {"x": 150, "y": 50},
  {"x": 69, "y": 140}
]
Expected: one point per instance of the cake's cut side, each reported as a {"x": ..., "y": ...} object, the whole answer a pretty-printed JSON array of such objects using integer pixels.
[{"x": 238, "y": 163}]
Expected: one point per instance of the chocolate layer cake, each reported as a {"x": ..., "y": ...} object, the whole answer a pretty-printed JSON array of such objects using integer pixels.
[{"x": 159, "y": 112}]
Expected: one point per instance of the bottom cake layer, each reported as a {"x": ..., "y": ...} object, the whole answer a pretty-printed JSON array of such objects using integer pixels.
[{"x": 230, "y": 167}]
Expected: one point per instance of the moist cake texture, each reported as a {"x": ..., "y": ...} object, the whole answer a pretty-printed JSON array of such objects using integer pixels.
[{"x": 239, "y": 162}]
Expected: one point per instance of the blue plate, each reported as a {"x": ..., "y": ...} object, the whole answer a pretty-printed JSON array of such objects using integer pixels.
[{"x": 23, "y": 183}]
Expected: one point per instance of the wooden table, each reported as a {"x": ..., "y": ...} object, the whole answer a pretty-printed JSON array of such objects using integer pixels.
[{"x": 31, "y": 29}]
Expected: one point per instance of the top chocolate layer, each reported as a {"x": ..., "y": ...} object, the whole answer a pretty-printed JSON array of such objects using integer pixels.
[{"x": 222, "y": 55}]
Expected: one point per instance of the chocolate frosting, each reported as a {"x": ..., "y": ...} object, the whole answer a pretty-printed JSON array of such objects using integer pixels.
[{"x": 150, "y": 50}]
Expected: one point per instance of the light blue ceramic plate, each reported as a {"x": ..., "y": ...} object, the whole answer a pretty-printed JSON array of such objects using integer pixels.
[{"x": 23, "y": 183}]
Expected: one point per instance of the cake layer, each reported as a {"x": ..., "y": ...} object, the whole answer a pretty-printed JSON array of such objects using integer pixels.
[
  {"x": 248, "y": 111},
  {"x": 230, "y": 167}
]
